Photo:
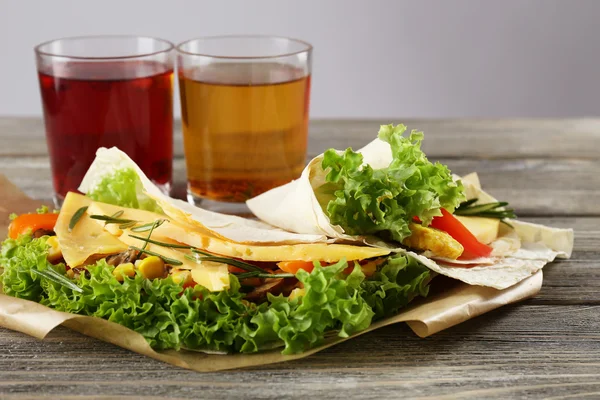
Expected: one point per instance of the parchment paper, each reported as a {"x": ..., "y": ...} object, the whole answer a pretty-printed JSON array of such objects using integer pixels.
[{"x": 453, "y": 304}]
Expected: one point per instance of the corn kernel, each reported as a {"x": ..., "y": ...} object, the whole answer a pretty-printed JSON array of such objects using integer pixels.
[
  {"x": 181, "y": 276},
  {"x": 298, "y": 292},
  {"x": 152, "y": 267},
  {"x": 123, "y": 270},
  {"x": 54, "y": 252}
]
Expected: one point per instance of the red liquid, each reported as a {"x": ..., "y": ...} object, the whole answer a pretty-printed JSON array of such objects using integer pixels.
[{"x": 124, "y": 104}]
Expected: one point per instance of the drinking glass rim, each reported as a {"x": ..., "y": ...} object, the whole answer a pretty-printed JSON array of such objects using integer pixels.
[
  {"x": 308, "y": 47},
  {"x": 170, "y": 46}
]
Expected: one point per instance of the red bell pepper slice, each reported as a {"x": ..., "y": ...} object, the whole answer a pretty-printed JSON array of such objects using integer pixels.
[{"x": 473, "y": 248}]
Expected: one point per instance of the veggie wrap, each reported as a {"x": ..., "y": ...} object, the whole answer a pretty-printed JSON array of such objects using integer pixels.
[{"x": 388, "y": 194}]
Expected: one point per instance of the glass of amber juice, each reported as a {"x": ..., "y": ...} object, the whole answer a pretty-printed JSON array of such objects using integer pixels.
[{"x": 244, "y": 105}]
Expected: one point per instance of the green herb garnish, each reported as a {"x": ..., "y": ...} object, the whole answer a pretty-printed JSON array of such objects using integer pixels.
[
  {"x": 256, "y": 274},
  {"x": 167, "y": 260},
  {"x": 109, "y": 219},
  {"x": 76, "y": 217},
  {"x": 487, "y": 210},
  {"x": 205, "y": 255},
  {"x": 117, "y": 214},
  {"x": 225, "y": 260},
  {"x": 163, "y": 244},
  {"x": 149, "y": 226},
  {"x": 55, "y": 277}
]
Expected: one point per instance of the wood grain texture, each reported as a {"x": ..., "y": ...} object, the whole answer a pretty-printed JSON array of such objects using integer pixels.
[
  {"x": 546, "y": 347},
  {"x": 533, "y": 186},
  {"x": 445, "y": 138},
  {"x": 492, "y": 356}
]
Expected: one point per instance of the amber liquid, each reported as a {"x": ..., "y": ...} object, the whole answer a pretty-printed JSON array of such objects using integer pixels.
[{"x": 244, "y": 128}]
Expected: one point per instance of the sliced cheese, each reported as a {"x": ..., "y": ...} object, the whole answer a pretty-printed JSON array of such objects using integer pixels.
[
  {"x": 87, "y": 238},
  {"x": 213, "y": 276},
  {"x": 142, "y": 216},
  {"x": 183, "y": 232},
  {"x": 484, "y": 229},
  {"x": 273, "y": 253}
]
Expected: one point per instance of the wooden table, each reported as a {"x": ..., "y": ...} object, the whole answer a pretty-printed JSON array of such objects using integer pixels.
[{"x": 548, "y": 346}]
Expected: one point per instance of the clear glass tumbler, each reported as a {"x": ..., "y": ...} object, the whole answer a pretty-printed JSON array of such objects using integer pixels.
[
  {"x": 104, "y": 91},
  {"x": 244, "y": 106}
]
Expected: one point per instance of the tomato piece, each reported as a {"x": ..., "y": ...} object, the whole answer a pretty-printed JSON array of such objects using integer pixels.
[
  {"x": 452, "y": 226},
  {"x": 294, "y": 266},
  {"x": 31, "y": 222},
  {"x": 188, "y": 284}
]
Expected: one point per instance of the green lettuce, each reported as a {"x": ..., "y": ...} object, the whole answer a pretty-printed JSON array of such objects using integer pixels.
[
  {"x": 397, "y": 283},
  {"x": 169, "y": 317},
  {"x": 123, "y": 188},
  {"x": 18, "y": 257},
  {"x": 383, "y": 201}
]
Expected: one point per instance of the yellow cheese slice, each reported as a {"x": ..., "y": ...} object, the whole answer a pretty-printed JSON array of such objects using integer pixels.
[
  {"x": 87, "y": 238},
  {"x": 183, "y": 232},
  {"x": 484, "y": 229},
  {"x": 142, "y": 216}
]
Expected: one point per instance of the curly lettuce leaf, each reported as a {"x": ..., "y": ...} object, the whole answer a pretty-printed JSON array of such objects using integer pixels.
[
  {"x": 169, "y": 317},
  {"x": 383, "y": 201},
  {"x": 397, "y": 283},
  {"x": 332, "y": 301},
  {"x": 123, "y": 188},
  {"x": 18, "y": 257}
]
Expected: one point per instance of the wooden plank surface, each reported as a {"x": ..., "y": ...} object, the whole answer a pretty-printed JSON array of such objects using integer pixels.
[
  {"x": 546, "y": 347},
  {"x": 454, "y": 138},
  {"x": 492, "y": 356},
  {"x": 533, "y": 186}
]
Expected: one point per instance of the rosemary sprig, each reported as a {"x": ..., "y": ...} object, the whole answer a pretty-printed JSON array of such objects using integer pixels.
[
  {"x": 76, "y": 217},
  {"x": 149, "y": 226},
  {"x": 55, "y": 277},
  {"x": 206, "y": 256},
  {"x": 154, "y": 224},
  {"x": 256, "y": 274},
  {"x": 167, "y": 260},
  {"x": 163, "y": 244},
  {"x": 488, "y": 210},
  {"x": 109, "y": 219},
  {"x": 224, "y": 260},
  {"x": 118, "y": 214},
  {"x": 206, "y": 253}
]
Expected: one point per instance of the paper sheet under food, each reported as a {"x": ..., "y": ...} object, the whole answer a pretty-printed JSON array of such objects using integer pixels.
[{"x": 439, "y": 311}]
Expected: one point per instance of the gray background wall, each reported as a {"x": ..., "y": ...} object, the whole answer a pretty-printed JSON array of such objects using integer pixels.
[{"x": 375, "y": 58}]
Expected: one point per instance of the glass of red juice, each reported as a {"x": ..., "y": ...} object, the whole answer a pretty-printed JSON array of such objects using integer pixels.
[{"x": 105, "y": 91}]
